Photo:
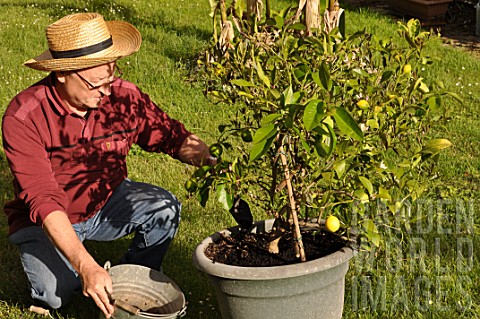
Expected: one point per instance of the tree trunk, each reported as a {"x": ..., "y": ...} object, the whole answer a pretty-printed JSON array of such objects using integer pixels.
[
  {"x": 331, "y": 16},
  {"x": 312, "y": 15}
]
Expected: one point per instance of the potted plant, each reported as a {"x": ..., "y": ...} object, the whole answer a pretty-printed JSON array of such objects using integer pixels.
[{"x": 326, "y": 124}]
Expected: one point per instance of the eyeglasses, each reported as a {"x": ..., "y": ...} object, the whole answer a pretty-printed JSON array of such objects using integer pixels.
[{"x": 117, "y": 73}]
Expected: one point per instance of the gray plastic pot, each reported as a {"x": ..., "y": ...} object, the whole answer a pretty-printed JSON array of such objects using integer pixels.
[{"x": 313, "y": 289}]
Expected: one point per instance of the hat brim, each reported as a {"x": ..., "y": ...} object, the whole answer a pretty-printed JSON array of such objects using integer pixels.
[{"x": 126, "y": 41}]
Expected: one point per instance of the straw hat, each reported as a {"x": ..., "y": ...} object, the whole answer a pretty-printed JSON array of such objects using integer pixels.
[{"x": 84, "y": 40}]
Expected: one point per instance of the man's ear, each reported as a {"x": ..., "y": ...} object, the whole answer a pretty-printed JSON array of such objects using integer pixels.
[{"x": 60, "y": 75}]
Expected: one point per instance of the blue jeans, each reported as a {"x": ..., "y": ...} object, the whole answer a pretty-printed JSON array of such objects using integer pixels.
[{"x": 151, "y": 212}]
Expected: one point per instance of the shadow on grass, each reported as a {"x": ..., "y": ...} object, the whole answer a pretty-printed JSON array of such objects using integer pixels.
[
  {"x": 158, "y": 21},
  {"x": 13, "y": 286}
]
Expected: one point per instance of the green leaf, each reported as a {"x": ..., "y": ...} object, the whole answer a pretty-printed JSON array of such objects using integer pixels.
[
  {"x": 260, "y": 148},
  {"x": 297, "y": 26},
  {"x": 372, "y": 123},
  {"x": 371, "y": 231},
  {"x": 224, "y": 197},
  {"x": 295, "y": 98},
  {"x": 217, "y": 95},
  {"x": 323, "y": 149},
  {"x": 415, "y": 85},
  {"x": 383, "y": 193},
  {"x": 242, "y": 82},
  {"x": 201, "y": 171},
  {"x": 261, "y": 74},
  {"x": 204, "y": 192},
  {"x": 360, "y": 72},
  {"x": 213, "y": 7},
  {"x": 313, "y": 114},
  {"x": 264, "y": 133},
  {"x": 369, "y": 226},
  {"x": 455, "y": 96},
  {"x": 322, "y": 77},
  {"x": 436, "y": 145},
  {"x": 434, "y": 102},
  {"x": 361, "y": 195},
  {"x": 247, "y": 95},
  {"x": 279, "y": 21},
  {"x": 288, "y": 96},
  {"x": 240, "y": 8},
  {"x": 367, "y": 184},
  {"x": 353, "y": 83},
  {"x": 299, "y": 73},
  {"x": 340, "y": 168},
  {"x": 347, "y": 124},
  {"x": 423, "y": 88},
  {"x": 386, "y": 75},
  {"x": 270, "y": 118},
  {"x": 341, "y": 24}
]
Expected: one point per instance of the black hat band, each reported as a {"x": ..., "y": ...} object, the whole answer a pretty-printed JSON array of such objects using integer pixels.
[{"x": 82, "y": 51}]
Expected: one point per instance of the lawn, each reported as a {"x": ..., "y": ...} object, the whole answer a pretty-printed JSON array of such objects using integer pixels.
[{"x": 431, "y": 272}]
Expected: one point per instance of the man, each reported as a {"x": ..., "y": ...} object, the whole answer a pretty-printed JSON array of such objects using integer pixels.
[{"x": 66, "y": 139}]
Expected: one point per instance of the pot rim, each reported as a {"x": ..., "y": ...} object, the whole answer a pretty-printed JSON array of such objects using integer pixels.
[{"x": 206, "y": 265}]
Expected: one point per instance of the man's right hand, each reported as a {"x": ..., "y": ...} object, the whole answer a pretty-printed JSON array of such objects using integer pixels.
[
  {"x": 96, "y": 281},
  {"x": 97, "y": 284}
]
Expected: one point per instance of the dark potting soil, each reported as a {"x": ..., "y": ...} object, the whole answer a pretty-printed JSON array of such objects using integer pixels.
[{"x": 251, "y": 249}]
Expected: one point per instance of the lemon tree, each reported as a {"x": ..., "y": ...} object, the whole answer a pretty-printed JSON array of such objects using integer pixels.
[{"x": 352, "y": 128}]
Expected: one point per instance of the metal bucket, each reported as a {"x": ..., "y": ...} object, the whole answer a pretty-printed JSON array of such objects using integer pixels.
[{"x": 141, "y": 292}]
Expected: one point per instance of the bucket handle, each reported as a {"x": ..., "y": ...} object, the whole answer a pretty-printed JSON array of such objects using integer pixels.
[
  {"x": 179, "y": 314},
  {"x": 107, "y": 265}
]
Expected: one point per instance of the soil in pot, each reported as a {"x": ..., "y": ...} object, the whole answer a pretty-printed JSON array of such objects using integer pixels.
[{"x": 251, "y": 249}]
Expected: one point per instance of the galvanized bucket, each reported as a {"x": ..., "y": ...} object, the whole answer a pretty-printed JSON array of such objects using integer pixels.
[{"x": 141, "y": 292}]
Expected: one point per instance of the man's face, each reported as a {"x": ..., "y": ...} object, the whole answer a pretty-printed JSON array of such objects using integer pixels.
[{"x": 84, "y": 89}]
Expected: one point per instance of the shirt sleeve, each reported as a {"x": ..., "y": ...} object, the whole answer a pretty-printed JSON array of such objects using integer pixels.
[
  {"x": 30, "y": 165},
  {"x": 157, "y": 131}
]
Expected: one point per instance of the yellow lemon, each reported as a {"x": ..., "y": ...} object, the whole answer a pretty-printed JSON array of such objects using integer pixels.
[
  {"x": 363, "y": 104},
  {"x": 407, "y": 69},
  {"x": 332, "y": 223}
]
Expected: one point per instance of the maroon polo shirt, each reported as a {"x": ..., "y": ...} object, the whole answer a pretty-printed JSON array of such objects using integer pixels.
[{"x": 63, "y": 161}]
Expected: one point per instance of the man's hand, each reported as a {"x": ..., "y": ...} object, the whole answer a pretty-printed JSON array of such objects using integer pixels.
[
  {"x": 195, "y": 152},
  {"x": 97, "y": 284},
  {"x": 96, "y": 281}
]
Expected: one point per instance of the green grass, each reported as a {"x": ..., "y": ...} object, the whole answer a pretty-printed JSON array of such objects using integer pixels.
[{"x": 426, "y": 274}]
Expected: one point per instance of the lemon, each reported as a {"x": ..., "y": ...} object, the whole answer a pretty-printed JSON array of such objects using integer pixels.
[
  {"x": 332, "y": 223},
  {"x": 246, "y": 135},
  {"x": 363, "y": 104},
  {"x": 191, "y": 185},
  {"x": 215, "y": 150},
  {"x": 407, "y": 69}
]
